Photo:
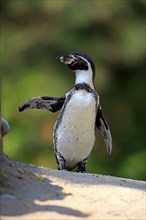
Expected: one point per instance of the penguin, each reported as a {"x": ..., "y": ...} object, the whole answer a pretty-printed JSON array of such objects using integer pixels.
[{"x": 80, "y": 113}]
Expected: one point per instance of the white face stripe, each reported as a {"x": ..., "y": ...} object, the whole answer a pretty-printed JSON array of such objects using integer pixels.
[{"x": 89, "y": 65}]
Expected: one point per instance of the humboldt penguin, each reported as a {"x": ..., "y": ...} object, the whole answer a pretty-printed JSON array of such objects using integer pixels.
[{"x": 80, "y": 114}]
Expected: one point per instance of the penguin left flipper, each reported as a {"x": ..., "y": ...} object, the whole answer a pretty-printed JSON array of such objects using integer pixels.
[
  {"x": 102, "y": 125},
  {"x": 52, "y": 104}
]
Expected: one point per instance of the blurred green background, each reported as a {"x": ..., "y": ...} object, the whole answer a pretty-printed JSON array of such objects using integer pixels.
[{"x": 33, "y": 33}]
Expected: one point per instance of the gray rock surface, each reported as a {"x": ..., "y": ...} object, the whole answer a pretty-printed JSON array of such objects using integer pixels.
[{"x": 36, "y": 193}]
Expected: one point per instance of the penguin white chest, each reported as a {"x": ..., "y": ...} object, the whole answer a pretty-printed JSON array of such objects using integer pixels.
[{"x": 75, "y": 133}]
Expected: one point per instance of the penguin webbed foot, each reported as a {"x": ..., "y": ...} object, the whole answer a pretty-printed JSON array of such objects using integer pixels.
[
  {"x": 81, "y": 166},
  {"x": 61, "y": 164}
]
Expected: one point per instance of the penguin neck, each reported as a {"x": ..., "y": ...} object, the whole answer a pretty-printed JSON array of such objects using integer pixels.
[{"x": 84, "y": 76}]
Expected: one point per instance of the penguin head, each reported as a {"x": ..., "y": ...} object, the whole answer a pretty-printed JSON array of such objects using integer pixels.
[{"x": 77, "y": 61}]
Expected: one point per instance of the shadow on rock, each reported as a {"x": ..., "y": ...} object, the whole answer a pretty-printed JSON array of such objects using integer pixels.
[{"x": 25, "y": 190}]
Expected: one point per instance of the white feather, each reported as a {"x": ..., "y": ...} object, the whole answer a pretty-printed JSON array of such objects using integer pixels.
[
  {"x": 85, "y": 76},
  {"x": 76, "y": 132}
]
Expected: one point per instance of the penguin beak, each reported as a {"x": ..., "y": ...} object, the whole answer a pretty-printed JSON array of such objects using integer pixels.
[{"x": 66, "y": 59}]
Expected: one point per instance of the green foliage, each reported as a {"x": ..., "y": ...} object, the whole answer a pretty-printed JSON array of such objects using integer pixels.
[{"x": 33, "y": 33}]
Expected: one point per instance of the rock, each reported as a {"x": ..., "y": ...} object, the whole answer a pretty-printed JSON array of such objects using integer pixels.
[
  {"x": 29, "y": 192},
  {"x": 4, "y": 128}
]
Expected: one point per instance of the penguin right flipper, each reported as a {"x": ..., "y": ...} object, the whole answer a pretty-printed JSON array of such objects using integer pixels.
[
  {"x": 103, "y": 127},
  {"x": 52, "y": 104}
]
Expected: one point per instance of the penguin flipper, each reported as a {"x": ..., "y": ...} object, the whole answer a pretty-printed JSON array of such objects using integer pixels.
[
  {"x": 102, "y": 125},
  {"x": 52, "y": 104}
]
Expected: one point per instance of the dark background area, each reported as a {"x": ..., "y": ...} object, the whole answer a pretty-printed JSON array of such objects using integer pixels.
[{"x": 33, "y": 33}]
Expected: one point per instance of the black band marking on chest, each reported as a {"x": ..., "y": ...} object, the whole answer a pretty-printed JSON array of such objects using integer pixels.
[{"x": 83, "y": 86}]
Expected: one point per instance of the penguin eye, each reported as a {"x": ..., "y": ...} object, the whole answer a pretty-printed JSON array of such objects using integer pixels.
[
  {"x": 79, "y": 59},
  {"x": 75, "y": 62},
  {"x": 78, "y": 64}
]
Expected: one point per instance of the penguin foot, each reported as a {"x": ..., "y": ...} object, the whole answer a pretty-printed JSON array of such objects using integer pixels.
[
  {"x": 62, "y": 164},
  {"x": 81, "y": 167}
]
